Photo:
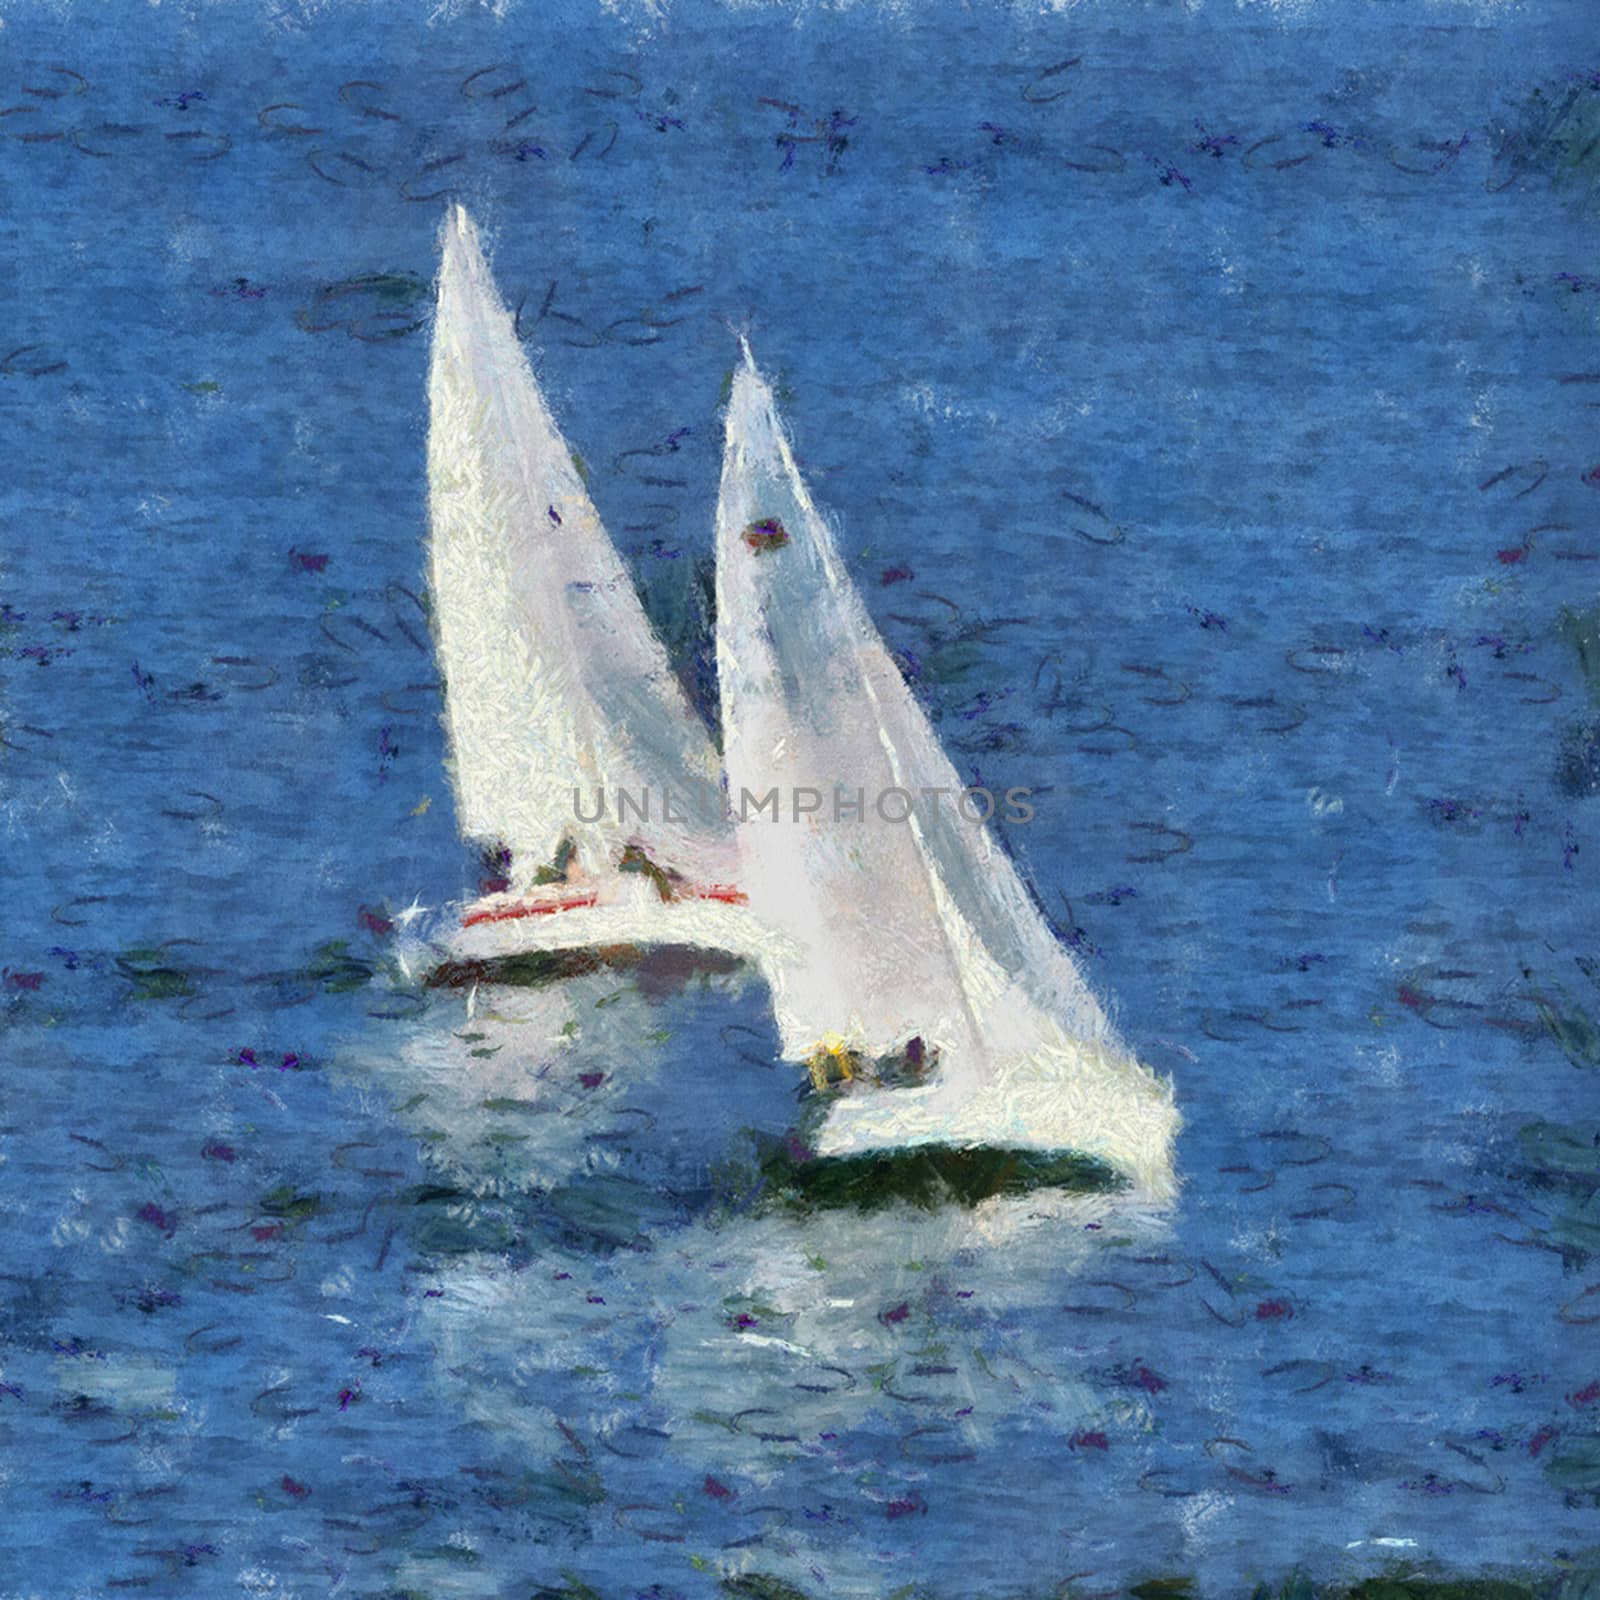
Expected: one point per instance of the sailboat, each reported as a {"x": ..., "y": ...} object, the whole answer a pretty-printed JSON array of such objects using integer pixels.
[
  {"x": 909, "y": 968},
  {"x": 580, "y": 769},
  {"x": 913, "y": 974}
]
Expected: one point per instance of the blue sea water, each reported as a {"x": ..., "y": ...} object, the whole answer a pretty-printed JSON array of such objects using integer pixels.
[{"x": 1205, "y": 399}]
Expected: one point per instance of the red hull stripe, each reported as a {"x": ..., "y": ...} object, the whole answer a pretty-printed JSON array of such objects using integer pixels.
[
  {"x": 511, "y": 913},
  {"x": 722, "y": 892}
]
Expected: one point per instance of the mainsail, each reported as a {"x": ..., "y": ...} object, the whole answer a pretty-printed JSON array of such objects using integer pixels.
[
  {"x": 899, "y": 921},
  {"x": 554, "y": 682}
]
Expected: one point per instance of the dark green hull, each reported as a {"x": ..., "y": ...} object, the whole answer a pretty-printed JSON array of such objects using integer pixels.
[
  {"x": 663, "y": 965},
  {"x": 928, "y": 1175}
]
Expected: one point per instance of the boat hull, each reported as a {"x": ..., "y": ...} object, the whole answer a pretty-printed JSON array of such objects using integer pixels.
[
  {"x": 928, "y": 1176},
  {"x": 496, "y": 943},
  {"x": 1064, "y": 1096}
]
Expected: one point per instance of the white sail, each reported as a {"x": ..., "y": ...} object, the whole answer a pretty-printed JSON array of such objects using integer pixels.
[
  {"x": 896, "y": 929},
  {"x": 554, "y": 681},
  {"x": 853, "y": 896}
]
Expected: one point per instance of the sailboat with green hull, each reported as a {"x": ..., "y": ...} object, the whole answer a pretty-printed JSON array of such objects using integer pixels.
[{"x": 915, "y": 976}]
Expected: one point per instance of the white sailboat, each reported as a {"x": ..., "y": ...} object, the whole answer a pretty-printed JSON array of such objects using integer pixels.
[
  {"x": 895, "y": 944},
  {"x": 576, "y": 758},
  {"x": 912, "y": 943}
]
